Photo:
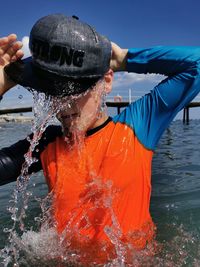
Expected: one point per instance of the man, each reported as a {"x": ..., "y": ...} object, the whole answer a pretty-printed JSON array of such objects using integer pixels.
[{"x": 101, "y": 188}]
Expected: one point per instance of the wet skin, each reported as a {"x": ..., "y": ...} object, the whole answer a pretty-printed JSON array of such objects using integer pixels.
[{"x": 81, "y": 113}]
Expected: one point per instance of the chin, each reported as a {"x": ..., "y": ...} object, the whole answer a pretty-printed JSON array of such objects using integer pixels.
[{"x": 72, "y": 129}]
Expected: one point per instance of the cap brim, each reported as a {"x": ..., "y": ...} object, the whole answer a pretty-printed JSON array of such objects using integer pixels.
[{"x": 23, "y": 72}]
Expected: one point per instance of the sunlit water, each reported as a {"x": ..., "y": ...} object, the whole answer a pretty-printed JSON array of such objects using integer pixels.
[{"x": 175, "y": 206}]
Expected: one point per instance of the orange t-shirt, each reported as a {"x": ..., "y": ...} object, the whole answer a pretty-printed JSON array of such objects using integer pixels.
[{"x": 102, "y": 188}]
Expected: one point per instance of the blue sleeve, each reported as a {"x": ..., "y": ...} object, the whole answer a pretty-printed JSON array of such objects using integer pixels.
[{"x": 151, "y": 115}]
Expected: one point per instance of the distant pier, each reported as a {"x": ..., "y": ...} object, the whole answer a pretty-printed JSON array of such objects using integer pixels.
[
  {"x": 113, "y": 104},
  {"x": 186, "y": 111},
  {"x": 15, "y": 110}
]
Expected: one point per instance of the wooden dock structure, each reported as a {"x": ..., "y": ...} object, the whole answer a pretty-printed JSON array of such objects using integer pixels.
[
  {"x": 186, "y": 114},
  {"x": 112, "y": 104},
  {"x": 15, "y": 110}
]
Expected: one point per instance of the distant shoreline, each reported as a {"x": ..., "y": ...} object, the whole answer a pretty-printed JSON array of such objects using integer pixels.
[{"x": 13, "y": 118}]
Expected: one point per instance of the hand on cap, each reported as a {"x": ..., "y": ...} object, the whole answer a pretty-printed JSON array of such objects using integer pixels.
[
  {"x": 118, "y": 58},
  {"x": 10, "y": 51}
]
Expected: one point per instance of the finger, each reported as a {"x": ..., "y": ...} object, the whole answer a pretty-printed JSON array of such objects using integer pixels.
[
  {"x": 5, "y": 42},
  {"x": 12, "y": 37},
  {"x": 14, "y": 47},
  {"x": 12, "y": 50},
  {"x": 8, "y": 39},
  {"x": 19, "y": 54}
]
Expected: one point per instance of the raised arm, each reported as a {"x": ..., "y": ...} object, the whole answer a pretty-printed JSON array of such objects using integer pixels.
[
  {"x": 12, "y": 158},
  {"x": 151, "y": 115}
]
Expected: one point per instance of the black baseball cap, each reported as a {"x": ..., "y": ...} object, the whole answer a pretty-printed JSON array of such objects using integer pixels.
[{"x": 68, "y": 57}]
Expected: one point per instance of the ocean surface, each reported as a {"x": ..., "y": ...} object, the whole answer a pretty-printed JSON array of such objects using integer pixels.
[{"x": 175, "y": 202}]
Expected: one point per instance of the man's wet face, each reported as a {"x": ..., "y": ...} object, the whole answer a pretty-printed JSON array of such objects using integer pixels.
[{"x": 80, "y": 113}]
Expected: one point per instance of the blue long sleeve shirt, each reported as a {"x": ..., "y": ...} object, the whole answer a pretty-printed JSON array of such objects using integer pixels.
[{"x": 151, "y": 115}]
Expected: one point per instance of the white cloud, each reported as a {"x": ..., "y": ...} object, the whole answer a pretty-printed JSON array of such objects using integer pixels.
[
  {"x": 127, "y": 79},
  {"x": 25, "y": 48}
]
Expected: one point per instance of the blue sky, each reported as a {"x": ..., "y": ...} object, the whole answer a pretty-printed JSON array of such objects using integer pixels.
[{"x": 129, "y": 23}]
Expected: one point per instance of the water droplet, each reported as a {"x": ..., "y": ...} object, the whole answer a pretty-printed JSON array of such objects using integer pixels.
[
  {"x": 6, "y": 230},
  {"x": 37, "y": 219},
  {"x": 13, "y": 217},
  {"x": 29, "y": 193}
]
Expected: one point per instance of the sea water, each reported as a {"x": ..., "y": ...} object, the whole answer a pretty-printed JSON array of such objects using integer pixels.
[{"x": 175, "y": 203}]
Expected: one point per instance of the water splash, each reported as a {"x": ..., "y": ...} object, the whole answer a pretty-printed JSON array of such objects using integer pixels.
[
  {"x": 43, "y": 114},
  {"x": 45, "y": 110},
  {"x": 45, "y": 247}
]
